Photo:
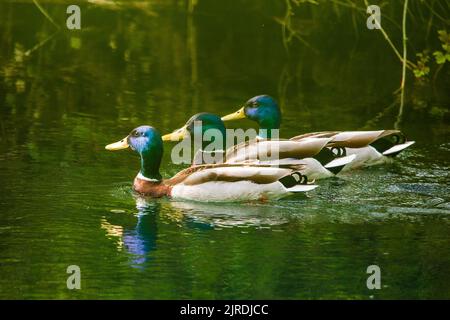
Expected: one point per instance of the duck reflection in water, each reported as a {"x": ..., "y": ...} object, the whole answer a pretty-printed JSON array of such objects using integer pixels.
[
  {"x": 138, "y": 240},
  {"x": 228, "y": 215}
]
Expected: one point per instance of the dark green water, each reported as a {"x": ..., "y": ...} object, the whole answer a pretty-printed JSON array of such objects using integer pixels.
[{"x": 64, "y": 200}]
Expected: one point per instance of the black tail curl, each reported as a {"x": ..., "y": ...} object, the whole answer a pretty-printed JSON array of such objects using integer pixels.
[{"x": 293, "y": 179}]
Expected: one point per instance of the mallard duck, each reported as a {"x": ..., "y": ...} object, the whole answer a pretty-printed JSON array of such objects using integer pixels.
[
  {"x": 208, "y": 132},
  {"x": 214, "y": 182},
  {"x": 370, "y": 147},
  {"x": 318, "y": 161}
]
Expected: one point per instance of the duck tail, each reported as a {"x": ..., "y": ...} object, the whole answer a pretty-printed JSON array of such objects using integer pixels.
[
  {"x": 336, "y": 165},
  {"x": 334, "y": 161},
  {"x": 395, "y": 150},
  {"x": 296, "y": 182},
  {"x": 391, "y": 143}
]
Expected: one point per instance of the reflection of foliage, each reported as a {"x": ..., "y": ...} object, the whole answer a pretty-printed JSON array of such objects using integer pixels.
[
  {"x": 438, "y": 112},
  {"x": 191, "y": 5},
  {"x": 421, "y": 68},
  {"x": 127, "y": 79},
  {"x": 289, "y": 32},
  {"x": 145, "y": 7},
  {"x": 420, "y": 13},
  {"x": 442, "y": 57}
]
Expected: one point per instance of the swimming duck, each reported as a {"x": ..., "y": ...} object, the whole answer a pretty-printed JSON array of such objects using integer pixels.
[
  {"x": 213, "y": 182},
  {"x": 318, "y": 161},
  {"x": 369, "y": 147}
]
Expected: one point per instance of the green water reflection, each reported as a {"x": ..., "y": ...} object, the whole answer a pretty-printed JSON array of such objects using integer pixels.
[{"x": 64, "y": 200}]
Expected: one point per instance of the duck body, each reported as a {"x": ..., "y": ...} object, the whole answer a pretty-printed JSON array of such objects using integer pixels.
[
  {"x": 316, "y": 160},
  {"x": 222, "y": 183},
  {"x": 236, "y": 183},
  {"x": 213, "y": 182},
  {"x": 367, "y": 147}
]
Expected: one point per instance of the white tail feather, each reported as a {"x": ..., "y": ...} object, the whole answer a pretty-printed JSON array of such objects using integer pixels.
[
  {"x": 301, "y": 188},
  {"x": 397, "y": 148},
  {"x": 342, "y": 161}
]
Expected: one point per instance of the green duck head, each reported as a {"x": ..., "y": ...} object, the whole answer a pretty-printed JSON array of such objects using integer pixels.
[
  {"x": 147, "y": 142},
  {"x": 262, "y": 109},
  {"x": 197, "y": 126}
]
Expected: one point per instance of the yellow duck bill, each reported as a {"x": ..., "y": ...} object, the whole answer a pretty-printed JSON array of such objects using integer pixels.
[
  {"x": 240, "y": 114},
  {"x": 177, "y": 135},
  {"x": 122, "y": 144}
]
